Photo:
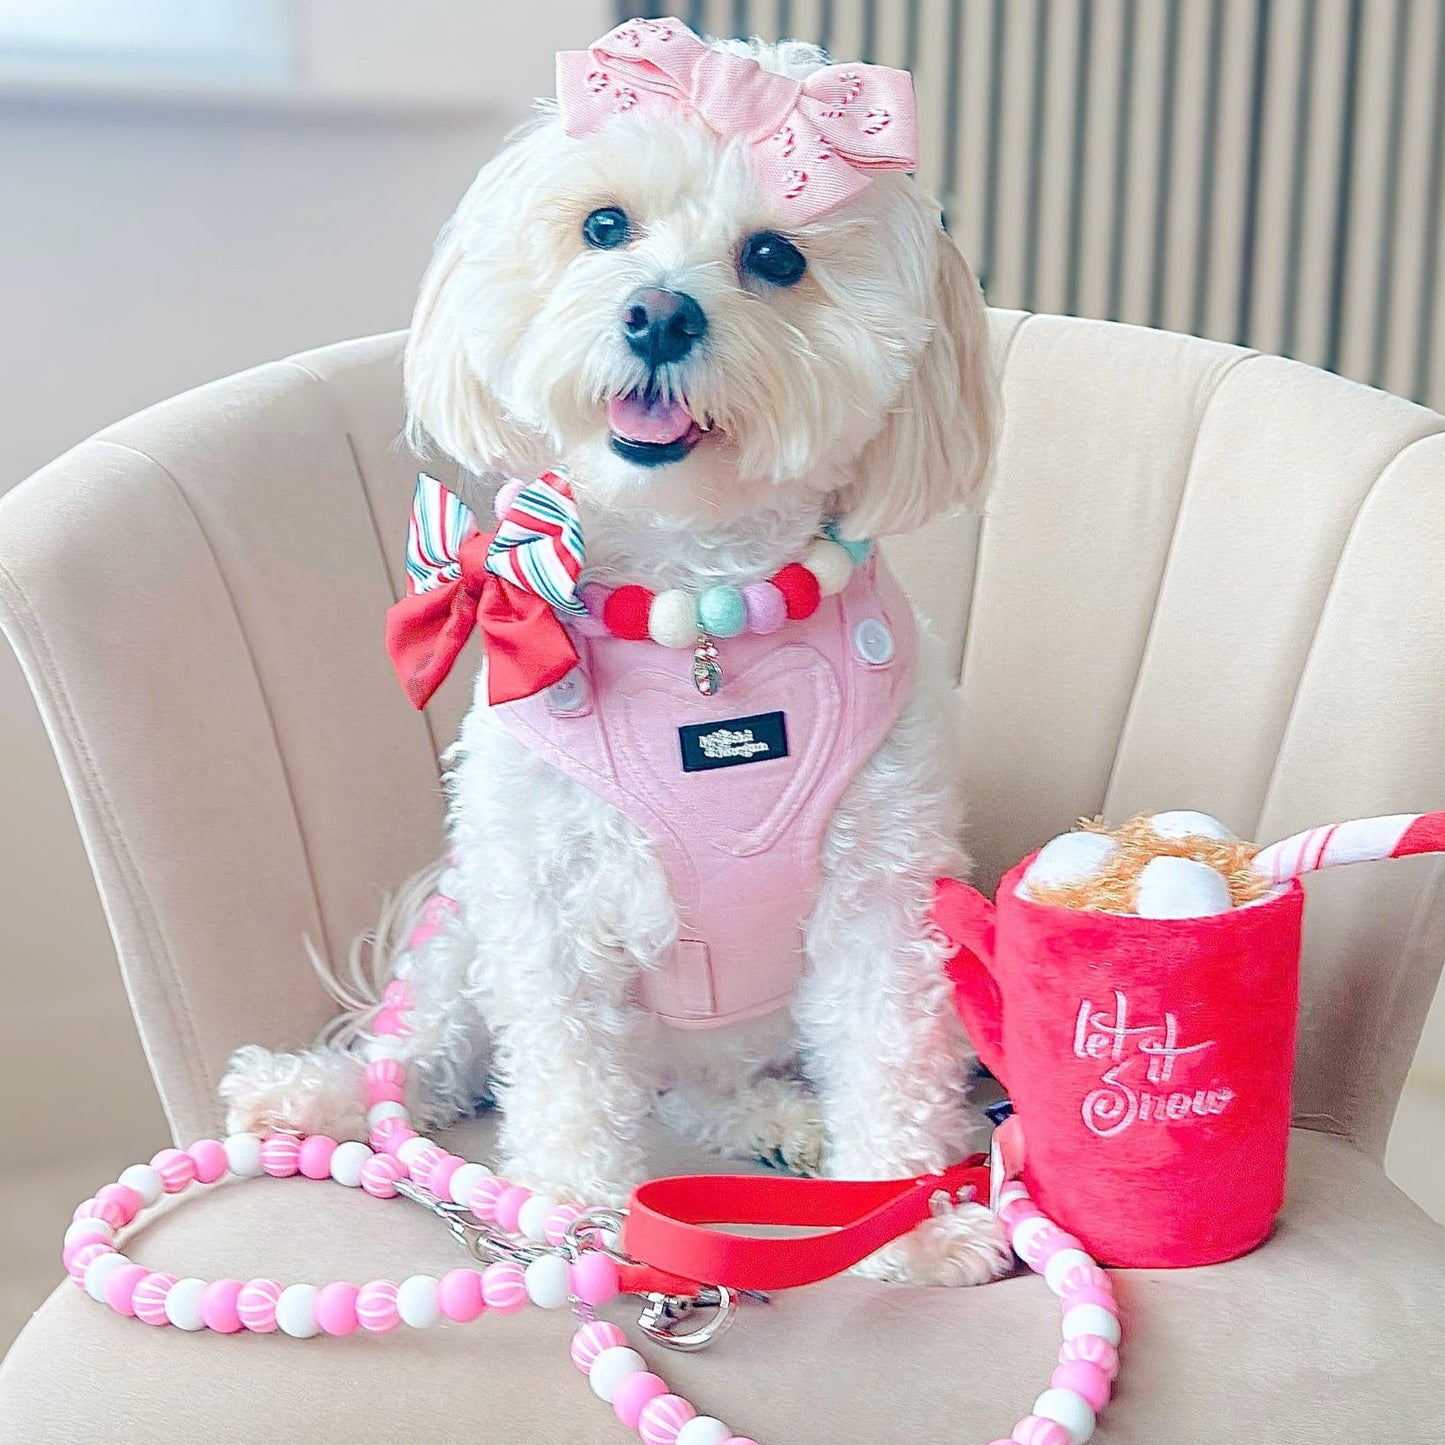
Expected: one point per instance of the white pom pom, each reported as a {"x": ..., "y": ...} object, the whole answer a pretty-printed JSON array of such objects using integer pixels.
[
  {"x": 408, "y": 1151},
  {"x": 91, "y": 1229},
  {"x": 145, "y": 1181},
  {"x": 1090, "y": 1320},
  {"x": 243, "y": 1155},
  {"x": 465, "y": 1180},
  {"x": 183, "y": 1304},
  {"x": 610, "y": 1366},
  {"x": 346, "y": 1162},
  {"x": 387, "y": 1109},
  {"x": 1070, "y": 1409},
  {"x": 547, "y": 1281},
  {"x": 1181, "y": 888},
  {"x": 1182, "y": 823},
  {"x": 1065, "y": 1259},
  {"x": 830, "y": 564},
  {"x": 673, "y": 619},
  {"x": 98, "y": 1273},
  {"x": 704, "y": 1430},
  {"x": 417, "y": 1301},
  {"x": 532, "y": 1217},
  {"x": 295, "y": 1311},
  {"x": 1069, "y": 858}
]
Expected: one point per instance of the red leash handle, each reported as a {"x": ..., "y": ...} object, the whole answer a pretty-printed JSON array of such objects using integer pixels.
[{"x": 671, "y": 1225}]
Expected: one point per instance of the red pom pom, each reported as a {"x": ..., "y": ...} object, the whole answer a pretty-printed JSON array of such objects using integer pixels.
[
  {"x": 625, "y": 613},
  {"x": 799, "y": 588}
]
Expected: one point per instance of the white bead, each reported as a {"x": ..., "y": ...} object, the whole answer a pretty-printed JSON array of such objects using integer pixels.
[
  {"x": 547, "y": 1281},
  {"x": 91, "y": 1229},
  {"x": 465, "y": 1180},
  {"x": 346, "y": 1162},
  {"x": 387, "y": 1109},
  {"x": 1069, "y": 858},
  {"x": 704, "y": 1430},
  {"x": 243, "y": 1155},
  {"x": 830, "y": 564},
  {"x": 413, "y": 1147},
  {"x": 183, "y": 1304},
  {"x": 1181, "y": 888},
  {"x": 1090, "y": 1320},
  {"x": 1070, "y": 1409},
  {"x": 1063, "y": 1260},
  {"x": 98, "y": 1273},
  {"x": 416, "y": 1301},
  {"x": 145, "y": 1181},
  {"x": 532, "y": 1216},
  {"x": 1028, "y": 1227},
  {"x": 296, "y": 1311},
  {"x": 1182, "y": 823},
  {"x": 610, "y": 1366},
  {"x": 673, "y": 619}
]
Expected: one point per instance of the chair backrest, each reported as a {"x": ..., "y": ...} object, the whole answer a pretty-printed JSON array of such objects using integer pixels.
[{"x": 1205, "y": 578}]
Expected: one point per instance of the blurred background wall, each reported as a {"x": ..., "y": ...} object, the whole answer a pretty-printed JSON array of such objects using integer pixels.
[{"x": 189, "y": 187}]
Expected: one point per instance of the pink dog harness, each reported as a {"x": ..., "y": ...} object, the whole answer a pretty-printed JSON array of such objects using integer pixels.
[{"x": 735, "y": 790}]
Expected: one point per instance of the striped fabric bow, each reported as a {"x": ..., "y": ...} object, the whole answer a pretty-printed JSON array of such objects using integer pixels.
[{"x": 511, "y": 583}]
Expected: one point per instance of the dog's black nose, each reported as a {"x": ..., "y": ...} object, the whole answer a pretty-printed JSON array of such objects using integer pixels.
[{"x": 661, "y": 326}]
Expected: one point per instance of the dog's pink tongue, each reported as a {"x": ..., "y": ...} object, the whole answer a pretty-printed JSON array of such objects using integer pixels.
[{"x": 635, "y": 419}]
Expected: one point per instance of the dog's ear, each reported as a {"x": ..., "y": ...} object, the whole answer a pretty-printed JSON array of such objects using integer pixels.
[{"x": 934, "y": 448}]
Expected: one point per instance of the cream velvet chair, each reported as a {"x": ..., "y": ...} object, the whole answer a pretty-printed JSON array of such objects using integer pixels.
[{"x": 1206, "y": 579}]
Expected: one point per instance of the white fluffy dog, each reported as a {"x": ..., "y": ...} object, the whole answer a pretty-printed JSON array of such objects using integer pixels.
[{"x": 857, "y": 388}]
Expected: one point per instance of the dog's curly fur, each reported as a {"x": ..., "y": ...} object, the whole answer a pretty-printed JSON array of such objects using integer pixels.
[{"x": 862, "y": 391}]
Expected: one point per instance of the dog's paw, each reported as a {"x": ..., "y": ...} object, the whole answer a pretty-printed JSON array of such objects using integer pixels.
[
  {"x": 316, "y": 1092},
  {"x": 785, "y": 1126},
  {"x": 959, "y": 1245}
]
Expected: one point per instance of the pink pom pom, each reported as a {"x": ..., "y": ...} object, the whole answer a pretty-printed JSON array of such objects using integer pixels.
[
  {"x": 1035, "y": 1430},
  {"x": 1083, "y": 1379},
  {"x": 126, "y": 1199},
  {"x": 280, "y": 1155},
  {"x": 482, "y": 1201},
  {"x": 509, "y": 492},
  {"x": 767, "y": 608},
  {"x": 509, "y": 1205},
  {"x": 460, "y": 1295},
  {"x": 558, "y": 1222},
  {"x": 376, "y": 1310},
  {"x": 504, "y": 1287},
  {"x": 79, "y": 1255},
  {"x": 1104, "y": 1298},
  {"x": 336, "y": 1308},
  {"x": 256, "y": 1305},
  {"x": 379, "y": 1175},
  {"x": 149, "y": 1299},
  {"x": 176, "y": 1168},
  {"x": 632, "y": 1392},
  {"x": 209, "y": 1157},
  {"x": 1083, "y": 1276},
  {"x": 313, "y": 1159},
  {"x": 662, "y": 1418},
  {"x": 439, "y": 1176},
  {"x": 120, "y": 1288},
  {"x": 591, "y": 1340},
  {"x": 1094, "y": 1350},
  {"x": 595, "y": 1278},
  {"x": 218, "y": 1306}
]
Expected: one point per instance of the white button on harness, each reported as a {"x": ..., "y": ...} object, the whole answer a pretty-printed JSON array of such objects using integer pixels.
[
  {"x": 873, "y": 641},
  {"x": 569, "y": 694}
]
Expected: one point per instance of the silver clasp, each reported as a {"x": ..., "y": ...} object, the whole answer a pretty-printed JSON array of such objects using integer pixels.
[{"x": 663, "y": 1313}]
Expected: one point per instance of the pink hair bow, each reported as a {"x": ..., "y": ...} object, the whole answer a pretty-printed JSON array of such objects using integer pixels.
[{"x": 813, "y": 141}]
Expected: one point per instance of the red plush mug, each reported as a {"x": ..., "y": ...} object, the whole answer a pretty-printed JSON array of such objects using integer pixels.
[{"x": 1149, "y": 1061}]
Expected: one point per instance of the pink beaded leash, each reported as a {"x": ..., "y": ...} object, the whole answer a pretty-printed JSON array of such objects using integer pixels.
[{"x": 533, "y": 1248}]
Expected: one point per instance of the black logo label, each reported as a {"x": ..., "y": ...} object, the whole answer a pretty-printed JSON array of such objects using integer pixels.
[{"x": 737, "y": 740}]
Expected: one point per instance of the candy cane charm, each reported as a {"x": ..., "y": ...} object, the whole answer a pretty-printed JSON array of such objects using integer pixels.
[{"x": 1399, "y": 835}]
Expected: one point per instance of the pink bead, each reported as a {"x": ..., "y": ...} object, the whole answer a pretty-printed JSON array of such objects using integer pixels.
[
  {"x": 422, "y": 1161},
  {"x": 591, "y": 1340},
  {"x": 209, "y": 1157},
  {"x": 388, "y": 1135},
  {"x": 745, "y": 1440},
  {"x": 376, "y": 1310},
  {"x": 1035, "y": 1430},
  {"x": 1014, "y": 1214},
  {"x": 108, "y": 1210},
  {"x": 1093, "y": 1349},
  {"x": 379, "y": 1175},
  {"x": 662, "y": 1418},
  {"x": 558, "y": 1222},
  {"x": 595, "y": 1278},
  {"x": 439, "y": 1176},
  {"x": 1104, "y": 1298},
  {"x": 509, "y": 1205},
  {"x": 1043, "y": 1245},
  {"x": 218, "y": 1306},
  {"x": 389, "y": 1023},
  {"x": 149, "y": 1299},
  {"x": 504, "y": 1287},
  {"x": 124, "y": 1198},
  {"x": 176, "y": 1168},
  {"x": 336, "y": 1308},
  {"x": 256, "y": 1305},
  {"x": 766, "y": 606},
  {"x": 280, "y": 1155},
  {"x": 460, "y": 1295},
  {"x": 80, "y": 1255},
  {"x": 313, "y": 1159},
  {"x": 508, "y": 493},
  {"x": 482, "y": 1201},
  {"x": 1083, "y": 1276},
  {"x": 1083, "y": 1379},
  {"x": 398, "y": 993},
  {"x": 632, "y": 1392},
  {"x": 120, "y": 1288}
]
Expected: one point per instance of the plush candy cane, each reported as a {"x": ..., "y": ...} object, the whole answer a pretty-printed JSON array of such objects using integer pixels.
[{"x": 1400, "y": 835}]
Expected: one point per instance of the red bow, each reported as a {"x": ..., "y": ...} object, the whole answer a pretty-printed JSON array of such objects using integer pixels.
[{"x": 527, "y": 647}]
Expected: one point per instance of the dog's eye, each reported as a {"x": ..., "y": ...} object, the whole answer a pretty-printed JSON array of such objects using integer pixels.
[
  {"x": 606, "y": 228},
  {"x": 772, "y": 258}
]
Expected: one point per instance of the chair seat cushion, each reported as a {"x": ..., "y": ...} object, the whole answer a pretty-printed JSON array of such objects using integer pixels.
[{"x": 1332, "y": 1331}]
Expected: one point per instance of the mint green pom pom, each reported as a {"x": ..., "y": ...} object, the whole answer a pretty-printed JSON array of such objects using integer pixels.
[
  {"x": 722, "y": 612},
  {"x": 858, "y": 551}
]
